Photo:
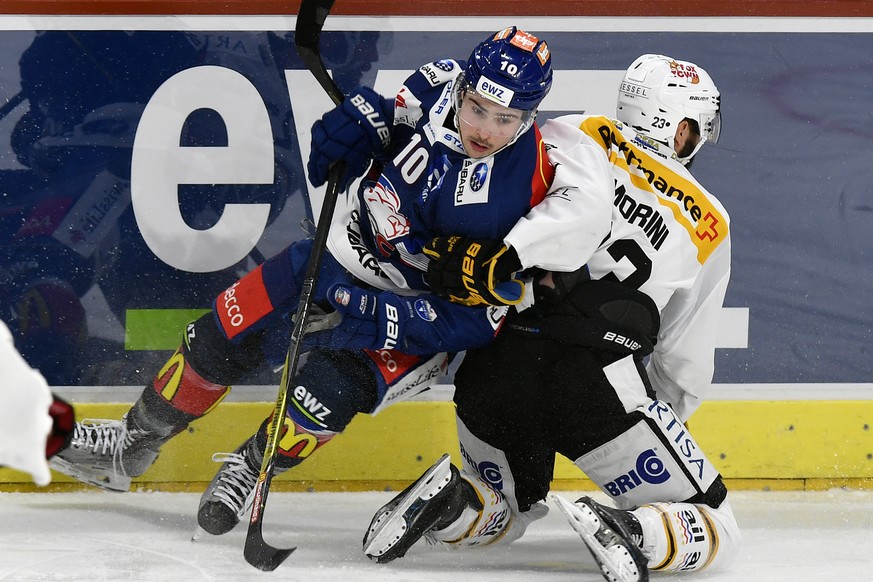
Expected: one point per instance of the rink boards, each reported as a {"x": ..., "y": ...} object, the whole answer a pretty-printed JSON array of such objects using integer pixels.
[
  {"x": 790, "y": 445},
  {"x": 793, "y": 366}
]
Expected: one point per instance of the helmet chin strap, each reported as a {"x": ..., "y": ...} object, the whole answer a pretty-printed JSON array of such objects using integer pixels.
[{"x": 687, "y": 159}]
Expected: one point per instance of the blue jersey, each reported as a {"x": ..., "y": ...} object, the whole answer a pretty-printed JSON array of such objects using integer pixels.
[{"x": 428, "y": 186}]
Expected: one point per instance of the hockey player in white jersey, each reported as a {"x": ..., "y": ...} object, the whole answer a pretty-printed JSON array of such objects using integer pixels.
[{"x": 639, "y": 259}]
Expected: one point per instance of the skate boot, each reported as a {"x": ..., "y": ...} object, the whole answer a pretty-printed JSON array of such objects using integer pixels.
[
  {"x": 437, "y": 499},
  {"x": 108, "y": 453},
  {"x": 613, "y": 537},
  {"x": 230, "y": 494}
]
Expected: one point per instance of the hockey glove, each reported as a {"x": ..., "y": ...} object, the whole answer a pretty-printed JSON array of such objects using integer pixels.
[
  {"x": 63, "y": 426},
  {"x": 362, "y": 320},
  {"x": 552, "y": 287},
  {"x": 355, "y": 131},
  {"x": 473, "y": 272},
  {"x": 332, "y": 331}
]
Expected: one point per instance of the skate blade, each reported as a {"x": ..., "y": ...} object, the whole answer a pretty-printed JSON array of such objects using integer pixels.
[
  {"x": 113, "y": 482},
  {"x": 616, "y": 563},
  {"x": 388, "y": 529}
]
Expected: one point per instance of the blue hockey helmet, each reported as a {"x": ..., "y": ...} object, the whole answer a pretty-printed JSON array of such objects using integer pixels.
[{"x": 512, "y": 68}]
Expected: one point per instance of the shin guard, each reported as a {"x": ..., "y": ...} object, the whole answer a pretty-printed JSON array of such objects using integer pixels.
[
  {"x": 296, "y": 444},
  {"x": 484, "y": 521},
  {"x": 678, "y": 537},
  {"x": 199, "y": 375},
  {"x": 184, "y": 389}
]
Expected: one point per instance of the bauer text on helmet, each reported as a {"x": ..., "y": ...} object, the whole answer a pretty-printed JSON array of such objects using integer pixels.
[{"x": 658, "y": 92}]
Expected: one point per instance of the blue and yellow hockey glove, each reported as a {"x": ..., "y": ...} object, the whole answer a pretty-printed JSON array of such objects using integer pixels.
[{"x": 473, "y": 272}]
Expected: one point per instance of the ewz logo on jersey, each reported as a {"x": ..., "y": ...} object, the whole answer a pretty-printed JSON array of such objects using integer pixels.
[{"x": 649, "y": 469}]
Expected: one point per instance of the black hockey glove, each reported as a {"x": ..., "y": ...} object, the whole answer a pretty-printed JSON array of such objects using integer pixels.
[
  {"x": 551, "y": 287},
  {"x": 473, "y": 272}
]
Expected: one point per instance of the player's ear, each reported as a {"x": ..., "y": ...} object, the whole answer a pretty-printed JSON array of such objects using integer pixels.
[
  {"x": 686, "y": 138},
  {"x": 682, "y": 132}
]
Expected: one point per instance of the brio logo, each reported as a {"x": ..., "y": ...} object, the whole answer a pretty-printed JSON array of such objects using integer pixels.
[{"x": 649, "y": 469}]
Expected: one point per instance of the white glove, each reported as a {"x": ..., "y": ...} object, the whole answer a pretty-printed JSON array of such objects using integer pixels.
[{"x": 25, "y": 422}]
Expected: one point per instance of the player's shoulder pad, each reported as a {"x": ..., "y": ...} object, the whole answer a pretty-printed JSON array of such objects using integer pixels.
[
  {"x": 566, "y": 131},
  {"x": 440, "y": 72}
]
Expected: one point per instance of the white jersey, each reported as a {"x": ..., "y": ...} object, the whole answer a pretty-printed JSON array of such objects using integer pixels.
[
  {"x": 25, "y": 421},
  {"x": 624, "y": 206}
]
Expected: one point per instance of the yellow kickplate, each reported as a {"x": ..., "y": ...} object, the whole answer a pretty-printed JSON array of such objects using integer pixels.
[{"x": 755, "y": 444}]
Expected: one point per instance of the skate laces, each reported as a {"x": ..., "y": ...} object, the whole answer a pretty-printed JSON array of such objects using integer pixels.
[
  {"x": 236, "y": 481},
  {"x": 97, "y": 435}
]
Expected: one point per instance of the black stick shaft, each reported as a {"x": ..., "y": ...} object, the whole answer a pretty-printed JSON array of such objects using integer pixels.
[{"x": 260, "y": 554}]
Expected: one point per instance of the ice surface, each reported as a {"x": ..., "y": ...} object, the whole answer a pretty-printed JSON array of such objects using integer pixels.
[{"x": 89, "y": 536}]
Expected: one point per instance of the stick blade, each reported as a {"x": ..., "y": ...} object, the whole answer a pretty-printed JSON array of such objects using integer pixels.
[{"x": 263, "y": 556}]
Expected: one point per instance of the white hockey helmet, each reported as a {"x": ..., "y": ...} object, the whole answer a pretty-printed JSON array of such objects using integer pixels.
[{"x": 658, "y": 92}]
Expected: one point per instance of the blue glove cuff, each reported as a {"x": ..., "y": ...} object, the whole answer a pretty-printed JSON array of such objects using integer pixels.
[
  {"x": 375, "y": 114},
  {"x": 356, "y": 131}
]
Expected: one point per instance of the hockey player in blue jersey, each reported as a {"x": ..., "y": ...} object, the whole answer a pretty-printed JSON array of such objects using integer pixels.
[{"x": 456, "y": 151}]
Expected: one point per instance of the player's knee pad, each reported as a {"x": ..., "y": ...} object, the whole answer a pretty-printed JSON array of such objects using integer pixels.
[
  {"x": 401, "y": 376},
  {"x": 217, "y": 358},
  {"x": 199, "y": 374},
  {"x": 685, "y": 537},
  {"x": 330, "y": 388},
  {"x": 656, "y": 459}
]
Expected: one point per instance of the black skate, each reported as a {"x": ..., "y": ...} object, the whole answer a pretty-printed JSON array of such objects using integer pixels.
[
  {"x": 231, "y": 492},
  {"x": 613, "y": 537},
  {"x": 434, "y": 501}
]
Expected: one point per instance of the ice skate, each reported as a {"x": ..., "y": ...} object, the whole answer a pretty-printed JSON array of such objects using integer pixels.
[
  {"x": 108, "y": 453},
  {"x": 611, "y": 535},
  {"x": 434, "y": 501},
  {"x": 230, "y": 494}
]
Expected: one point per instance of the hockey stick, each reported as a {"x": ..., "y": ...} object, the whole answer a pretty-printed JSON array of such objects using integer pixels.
[
  {"x": 11, "y": 104},
  {"x": 258, "y": 553}
]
